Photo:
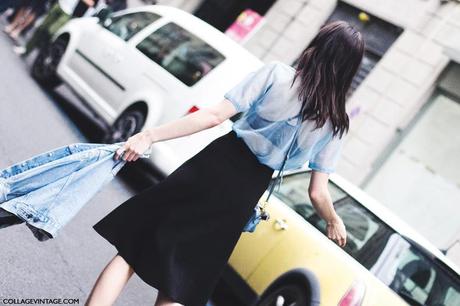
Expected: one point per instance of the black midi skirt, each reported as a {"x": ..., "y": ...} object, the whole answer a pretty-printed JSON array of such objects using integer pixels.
[{"x": 179, "y": 234}]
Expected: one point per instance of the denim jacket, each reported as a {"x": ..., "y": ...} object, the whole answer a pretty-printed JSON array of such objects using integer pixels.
[{"x": 48, "y": 189}]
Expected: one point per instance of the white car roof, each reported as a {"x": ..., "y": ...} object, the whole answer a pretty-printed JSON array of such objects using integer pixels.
[
  {"x": 219, "y": 40},
  {"x": 387, "y": 216}
]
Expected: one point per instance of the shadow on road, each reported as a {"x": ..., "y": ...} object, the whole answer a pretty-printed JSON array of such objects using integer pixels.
[
  {"x": 137, "y": 175},
  {"x": 88, "y": 126}
]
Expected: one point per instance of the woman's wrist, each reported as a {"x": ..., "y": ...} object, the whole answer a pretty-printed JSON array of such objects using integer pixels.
[
  {"x": 150, "y": 135},
  {"x": 334, "y": 219}
]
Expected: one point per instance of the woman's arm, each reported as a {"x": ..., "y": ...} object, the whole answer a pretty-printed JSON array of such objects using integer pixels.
[
  {"x": 322, "y": 202},
  {"x": 202, "y": 119}
]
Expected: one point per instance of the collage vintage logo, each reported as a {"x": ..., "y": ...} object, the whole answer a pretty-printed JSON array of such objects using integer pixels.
[{"x": 39, "y": 301}]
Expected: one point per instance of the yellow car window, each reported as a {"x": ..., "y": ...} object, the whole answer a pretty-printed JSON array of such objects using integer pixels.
[
  {"x": 421, "y": 280},
  {"x": 294, "y": 190},
  {"x": 415, "y": 275}
]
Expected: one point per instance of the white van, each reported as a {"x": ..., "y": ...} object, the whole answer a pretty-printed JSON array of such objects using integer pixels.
[{"x": 144, "y": 66}]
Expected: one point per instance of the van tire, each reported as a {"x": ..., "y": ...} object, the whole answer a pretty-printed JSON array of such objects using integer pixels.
[
  {"x": 44, "y": 67},
  {"x": 130, "y": 122}
]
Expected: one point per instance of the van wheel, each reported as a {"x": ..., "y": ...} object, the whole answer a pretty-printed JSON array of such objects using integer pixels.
[
  {"x": 129, "y": 123},
  {"x": 44, "y": 67},
  {"x": 284, "y": 295}
]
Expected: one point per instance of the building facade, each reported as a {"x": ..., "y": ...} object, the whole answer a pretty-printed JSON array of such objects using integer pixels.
[{"x": 404, "y": 142}]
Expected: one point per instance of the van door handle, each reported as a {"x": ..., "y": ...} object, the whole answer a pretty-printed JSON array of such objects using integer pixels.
[{"x": 280, "y": 225}]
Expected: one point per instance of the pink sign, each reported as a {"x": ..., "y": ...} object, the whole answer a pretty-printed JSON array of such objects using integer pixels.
[{"x": 245, "y": 24}]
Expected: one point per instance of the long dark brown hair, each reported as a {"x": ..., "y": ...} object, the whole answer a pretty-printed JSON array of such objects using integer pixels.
[{"x": 326, "y": 68}]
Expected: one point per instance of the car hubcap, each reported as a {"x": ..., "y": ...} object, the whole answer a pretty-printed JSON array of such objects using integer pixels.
[
  {"x": 281, "y": 300},
  {"x": 285, "y": 297},
  {"x": 48, "y": 60},
  {"x": 124, "y": 128},
  {"x": 51, "y": 59}
]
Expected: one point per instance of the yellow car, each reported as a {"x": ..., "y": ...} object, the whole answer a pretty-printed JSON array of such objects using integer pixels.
[{"x": 288, "y": 260}]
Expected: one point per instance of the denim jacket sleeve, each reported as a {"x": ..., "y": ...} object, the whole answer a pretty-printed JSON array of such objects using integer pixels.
[{"x": 48, "y": 189}]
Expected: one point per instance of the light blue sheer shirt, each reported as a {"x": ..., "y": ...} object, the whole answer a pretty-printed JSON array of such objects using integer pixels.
[{"x": 271, "y": 115}]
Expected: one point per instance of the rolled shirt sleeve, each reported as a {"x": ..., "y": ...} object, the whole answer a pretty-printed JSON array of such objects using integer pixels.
[
  {"x": 252, "y": 88},
  {"x": 326, "y": 159}
]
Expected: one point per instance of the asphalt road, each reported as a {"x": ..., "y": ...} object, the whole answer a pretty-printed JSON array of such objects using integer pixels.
[{"x": 31, "y": 122}]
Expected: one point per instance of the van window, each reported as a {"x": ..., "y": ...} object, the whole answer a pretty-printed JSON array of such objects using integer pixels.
[
  {"x": 127, "y": 25},
  {"x": 181, "y": 53}
]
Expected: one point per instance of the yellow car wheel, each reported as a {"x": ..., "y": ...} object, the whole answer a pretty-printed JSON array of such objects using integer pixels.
[{"x": 284, "y": 295}]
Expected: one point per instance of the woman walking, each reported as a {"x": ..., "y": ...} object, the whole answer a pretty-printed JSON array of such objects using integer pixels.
[
  {"x": 61, "y": 12},
  {"x": 27, "y": 13},
  {"x": 178, "y": 235}
]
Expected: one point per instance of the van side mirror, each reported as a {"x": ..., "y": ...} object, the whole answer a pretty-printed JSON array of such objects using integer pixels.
[{"x": 103, "y": 14}]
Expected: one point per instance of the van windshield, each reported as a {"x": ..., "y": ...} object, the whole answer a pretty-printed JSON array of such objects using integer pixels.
[{"x": 127, "y": 25}]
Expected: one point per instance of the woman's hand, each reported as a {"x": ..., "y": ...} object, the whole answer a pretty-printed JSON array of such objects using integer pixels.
[
  {"x": 135, "y": 146},
  {"x": 336, "y": 231},
  {"x": 194, "y": 122},
  {"x": 322, "y": 202}
]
